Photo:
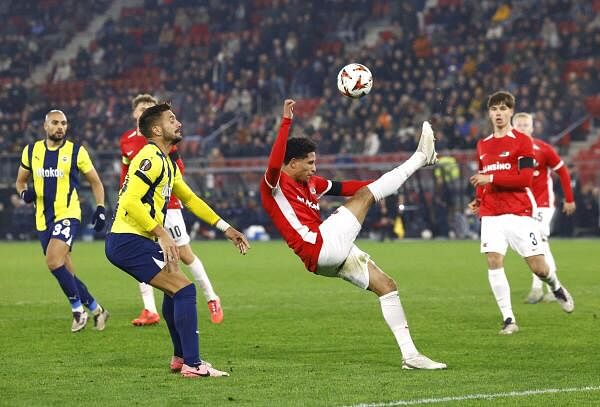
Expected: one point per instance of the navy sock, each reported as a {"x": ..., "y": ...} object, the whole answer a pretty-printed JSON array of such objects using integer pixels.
[
  {"x": 168, "y": 310},
  {"x": 68, "y": 285},
  {"x": 186, "y": 321},
  {"x": 84, "y": 294}
]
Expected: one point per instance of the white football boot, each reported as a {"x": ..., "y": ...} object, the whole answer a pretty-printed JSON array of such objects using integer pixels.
[
  {"x": 427, "y": 145},
  {"x": 79, "y": 321},
  {"x": 509, "y": 327},
  {"x": 564, "y": 299},
  {"x": 421, "y": 362}
]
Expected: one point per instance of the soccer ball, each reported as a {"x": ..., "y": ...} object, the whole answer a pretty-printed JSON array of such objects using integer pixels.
[{"x": 355, "y": 80}]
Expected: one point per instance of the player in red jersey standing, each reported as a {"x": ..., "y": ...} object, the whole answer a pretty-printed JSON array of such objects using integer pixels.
[
  {"x": 505, "y": 203},
  {"x": 290, "y": 192},
  {"x": 131, "y": 143},
  {"x": 546, "y": 160}
]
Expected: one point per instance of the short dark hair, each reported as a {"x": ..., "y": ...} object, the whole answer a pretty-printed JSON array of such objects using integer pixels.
[
  {"x": 501, "y": 97},
  {"x": 150, "y": 117},
  {"x": 298, "y": 147}
]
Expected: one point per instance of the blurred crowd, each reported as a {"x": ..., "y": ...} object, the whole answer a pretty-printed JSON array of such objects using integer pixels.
[{"x": 230, "y": 64}]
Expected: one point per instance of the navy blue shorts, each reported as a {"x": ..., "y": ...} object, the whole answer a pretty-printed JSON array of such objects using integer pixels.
[
  {"x": 64, "y": 229},
  {"x": 138, "y": 256}
]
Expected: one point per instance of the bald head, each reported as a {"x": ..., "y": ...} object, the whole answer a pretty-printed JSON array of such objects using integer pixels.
[{"x": 55, "y": 125}]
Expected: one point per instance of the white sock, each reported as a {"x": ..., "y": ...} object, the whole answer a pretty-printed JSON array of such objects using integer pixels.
[
  {"x": 199, "y": 273},
  {"x": 148, "y": 297},
  {"x": 501, "y": 291},
  {"x": 396, "y": 320},
  {"x": 551, "y": 264},
  {"x": 552, "y": 280},
  {"x": 389, "y": 182}
]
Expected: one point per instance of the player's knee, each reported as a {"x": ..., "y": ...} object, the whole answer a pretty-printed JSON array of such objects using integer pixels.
[
  {"x": 187, "y": 291},
  {"x": 495, "y": 261},
  {"x": 389, "y": 284},
  {"x": 54, "y": 262},
  {"x": 382, "y": 284}
]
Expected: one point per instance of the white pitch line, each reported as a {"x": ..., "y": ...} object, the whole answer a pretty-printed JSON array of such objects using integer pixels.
[{"x": 480, "y": 396}]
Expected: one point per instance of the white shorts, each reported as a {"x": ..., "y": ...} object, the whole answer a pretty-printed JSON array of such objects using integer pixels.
[
  {"x": 339, "y": 256},
  {"x": 522, "y": 233},
  {"x": 176, "y": 227},
  {"x": 544, "y": 218}
]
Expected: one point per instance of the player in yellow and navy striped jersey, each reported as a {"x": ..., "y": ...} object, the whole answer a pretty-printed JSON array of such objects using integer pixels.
[
  {"x": 132, "y": 243},
  {"x": 54, "y": 164}
]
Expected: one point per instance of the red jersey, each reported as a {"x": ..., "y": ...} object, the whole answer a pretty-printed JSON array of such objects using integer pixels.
[
  {"x": 294, "y": 206},
  {"x": 546, "y": 159},
  {"x": 509, "y": 192},
  {"x": 131, "y": 144}
]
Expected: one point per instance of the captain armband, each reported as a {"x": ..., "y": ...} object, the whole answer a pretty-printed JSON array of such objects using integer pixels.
[
  {"x": 222, "y": 225},
  {"x": 526, "y": 162},
  {"x": 336, "y": 189}
]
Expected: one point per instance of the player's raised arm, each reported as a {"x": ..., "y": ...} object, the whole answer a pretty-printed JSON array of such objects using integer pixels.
[
  {"x": 204, "y": 212},
  {"x": 278, "y": 150}
]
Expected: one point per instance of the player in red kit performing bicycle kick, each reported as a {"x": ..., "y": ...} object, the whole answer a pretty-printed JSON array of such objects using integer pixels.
[
  {"x": 546, "y": 160},
  {"x": 290, "y": 193},
  {"x": 505, "y": 203},
  {"x": 132, "y": 142}
]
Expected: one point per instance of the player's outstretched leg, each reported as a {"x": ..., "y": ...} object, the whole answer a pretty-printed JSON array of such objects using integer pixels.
[
  {"x": 149, "y": 315},
  {"x": 425, "y": 155}
]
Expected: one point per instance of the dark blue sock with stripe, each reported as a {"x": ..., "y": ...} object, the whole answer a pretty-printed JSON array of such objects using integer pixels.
[
  {"x": 186, "y": 322},
  {"x": 85, "y": 296},
  {"x": 68, "y": 285},
  {"x": 168, "y": 311}
]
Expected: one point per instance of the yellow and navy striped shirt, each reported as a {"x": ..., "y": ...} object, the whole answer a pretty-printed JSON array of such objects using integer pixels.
[
  {"x": 143, "y": 199},
  {"x": 55, "y": 175}
]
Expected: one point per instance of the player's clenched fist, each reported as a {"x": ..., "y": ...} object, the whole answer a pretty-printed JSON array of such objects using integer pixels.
[{"x": 288, "y": 108}]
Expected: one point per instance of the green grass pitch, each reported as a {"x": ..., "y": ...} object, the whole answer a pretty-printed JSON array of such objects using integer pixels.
[{"x": 290, "y": 338}]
